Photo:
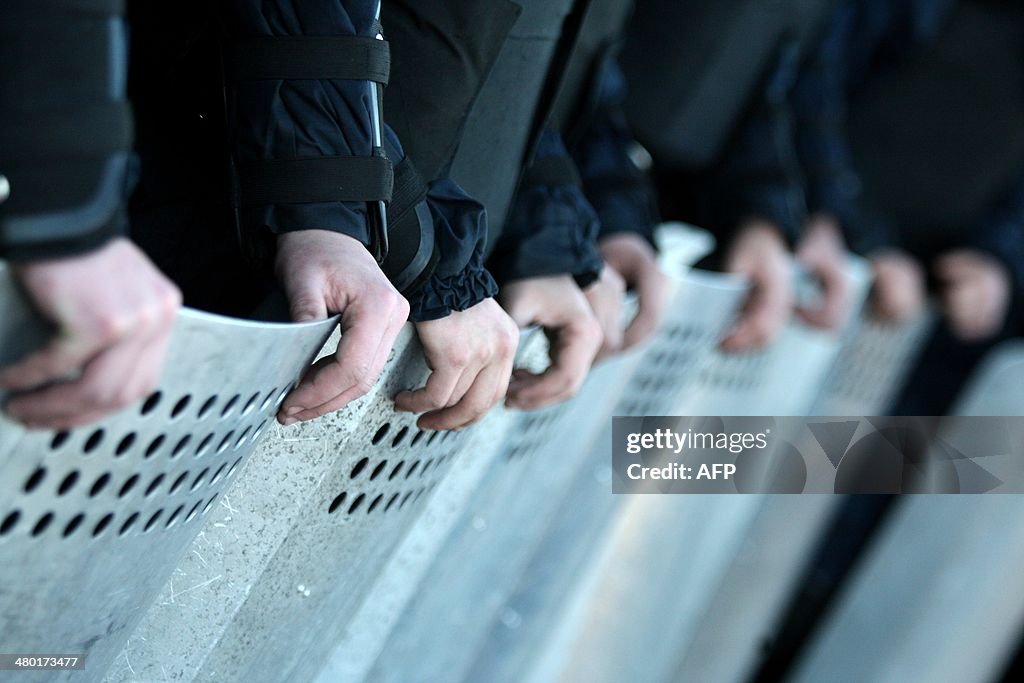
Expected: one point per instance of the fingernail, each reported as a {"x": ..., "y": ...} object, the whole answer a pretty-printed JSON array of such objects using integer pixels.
[
  {"x": 288, "y": 421},
  {"x": 294, "y": 410}
]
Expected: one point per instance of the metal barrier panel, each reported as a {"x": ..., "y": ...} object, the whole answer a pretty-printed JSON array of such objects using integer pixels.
[
  {"x": 995, "y": 388},
  {"x": 747, "y": 607},
  {"x": 93, "y": 520},
  {"x": 365, "y": 476},
  {"x": 619, "y": 627},
  {"x": 703, "y": 307},
  {"x": 404, "y": 573},
  {"x": 525, "y": 620},
  {"x": 353, "y": 547},
  {"x": 546, "y": 454},
  {"x": 724, "y": 641},
  {"x": 938, "y": 598},
  {"x": 872, "y": 366},
  {"x": 214, "y": 577},
  {"x": 476, "y": 566}
]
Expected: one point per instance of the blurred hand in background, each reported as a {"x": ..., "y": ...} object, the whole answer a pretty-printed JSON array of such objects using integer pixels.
[
  {"x": 114, "y": 312},
  {"x": 606, "y": 297},
  {"x": 759, "y": 253},
  {"x": 635, "y": 261},
  {"x": 822, "y": 252},
  {"x": 899, "y": 288},
  {"x": 975, "y": 290}
]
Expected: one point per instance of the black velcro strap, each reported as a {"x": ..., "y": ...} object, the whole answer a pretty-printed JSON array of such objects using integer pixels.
[
  {"x": 92, "y": 132},
  {"x": 410, "y": 230},
  {"x": 263, "y": 58},
  {"x": 317, "y": 179},
  {"x": 409, "y": 191},
  {"x": 552, "y": 172}
]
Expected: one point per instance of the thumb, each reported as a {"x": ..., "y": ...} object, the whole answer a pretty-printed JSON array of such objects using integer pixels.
[{"x": 306, "y": 301}]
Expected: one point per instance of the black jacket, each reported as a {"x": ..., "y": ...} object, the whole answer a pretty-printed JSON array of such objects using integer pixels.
[{"x": 189, "y": 125}]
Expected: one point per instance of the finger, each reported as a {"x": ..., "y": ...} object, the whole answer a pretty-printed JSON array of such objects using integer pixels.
[
  {"x": 972, "y": 315},
  {"x": 67, "y": 422},
  {"x": 479, "y": 399},
  {"x": 743, "y": 337},
  {"x": 829, "y": 313},
  {"x": 954, "y": 266},
  {"x": 330, "y": 373},
  {"x": 505, "y": 372},
  {"x": 112, "y": 380},
  {"x": 968, "y": 326},
  {"x": 611, "y": 331},
  {"x": 306, "y": 300},
  {"x": 897, "y": 302},
  {"x": 836, "y": 297},
  {"x": 57, "y": 360},
  {"x": 372, "y": 374},
  {"x": 352, "y": 370},
  {"x": 652, "y": 291},
  {"x": 572, "y": 354},
  {"x": 760, "y": 321},
  {"x": 886, "y": 308},
  {"x": 436, "y": 393}
]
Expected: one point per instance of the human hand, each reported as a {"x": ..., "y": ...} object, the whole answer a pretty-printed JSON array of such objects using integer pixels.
[
  {"x": 976, "y": 293},
  {"x": 823, "y": 252},
  {"x": 558, "y": 305},
  {"x": 324, "y": 273},
  {"x": 470, "y": 354},
  {"x": 114, "y": 312},
  {"x": 898, "y": 292},
  {"x": 606, "y": 297},
  {"x": 759, "y": 253},
  {"x": 634, "y": 259}
]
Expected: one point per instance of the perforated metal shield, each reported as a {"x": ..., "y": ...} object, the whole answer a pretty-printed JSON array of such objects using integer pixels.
[
  {"x": 872, "y": 366},
  {"x": 357, "y": 481},
  {"x": 93, "y": 520},
  {"x": 783, "y": 378},
  {"x": 994, "y": 389},
  {"x": 500, "y": 525},
  {"x": 647, "y": 378},
  {"x": 545, "y": 455},
  {"x": 702, "y": 308},
  {"x": 952, "y": 566}
]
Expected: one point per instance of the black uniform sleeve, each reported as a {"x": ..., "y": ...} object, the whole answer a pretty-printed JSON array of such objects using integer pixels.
[
  {"x": 621, "y": 193},
  {"x": 460, "y": 280},
  {"x": 65, "y": 127},
  {"x": 551, "y": 229},
  {"x": 277, "y": 120},
  {"x": 759, "y": 176},
  {"x": 1000, "y": 232},
  {"x": 820, "y": 103}
]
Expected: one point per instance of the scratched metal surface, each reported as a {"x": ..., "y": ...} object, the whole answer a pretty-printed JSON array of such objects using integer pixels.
[
  {"x": 291, "y": 554},
  {"x": 94, "y": 520}
]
